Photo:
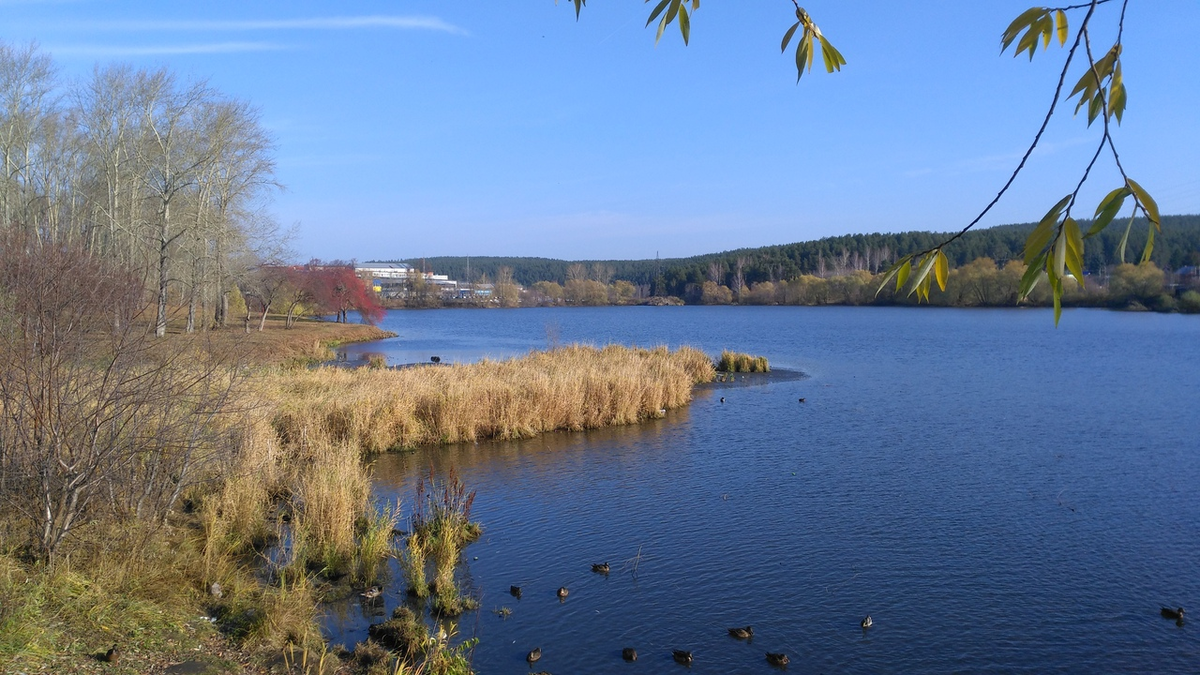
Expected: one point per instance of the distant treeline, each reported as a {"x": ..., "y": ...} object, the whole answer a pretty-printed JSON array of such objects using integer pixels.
[{"x": 1177, "y": 245}]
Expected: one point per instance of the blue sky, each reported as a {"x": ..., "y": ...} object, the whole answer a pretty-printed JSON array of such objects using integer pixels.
[{"x": 424, "y": 128}]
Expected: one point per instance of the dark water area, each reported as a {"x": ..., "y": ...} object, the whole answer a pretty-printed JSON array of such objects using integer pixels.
[{"x": 999, "y": 495}]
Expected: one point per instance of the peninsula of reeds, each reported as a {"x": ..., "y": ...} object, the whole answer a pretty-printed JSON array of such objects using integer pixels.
[{"x": 570, "y": 388}]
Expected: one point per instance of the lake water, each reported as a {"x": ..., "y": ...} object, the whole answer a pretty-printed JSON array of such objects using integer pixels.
[{"x": 999, "y": 495}]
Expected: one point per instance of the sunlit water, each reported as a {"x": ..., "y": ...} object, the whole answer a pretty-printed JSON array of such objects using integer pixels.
[{"x": 999, "y": 495}]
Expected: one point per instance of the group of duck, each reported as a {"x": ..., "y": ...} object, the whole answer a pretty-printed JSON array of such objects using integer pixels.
[{"x": 681, "y": 656}]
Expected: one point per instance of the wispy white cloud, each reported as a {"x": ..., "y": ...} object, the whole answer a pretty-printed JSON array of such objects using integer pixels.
[
  {"x": 319, "y": 23},
  {"x": 998, "y": 162},
  {"x": 163, "y": 50}
]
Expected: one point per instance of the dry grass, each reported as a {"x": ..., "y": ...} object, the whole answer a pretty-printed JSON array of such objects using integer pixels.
[
  {"x": 570, "y": 388},
  {"x": 737, "y": 362},
  {"x": 308, "y": 340},
  {"x": 300, "y": 440}
]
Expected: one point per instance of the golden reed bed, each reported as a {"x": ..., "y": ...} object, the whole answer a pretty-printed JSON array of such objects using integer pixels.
[{"x": 569, "y": 388}]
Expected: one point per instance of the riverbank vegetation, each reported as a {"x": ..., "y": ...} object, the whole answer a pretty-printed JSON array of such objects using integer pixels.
[
  {"x": 838, "y": 270},
  {"x": 172, "y": 494}
]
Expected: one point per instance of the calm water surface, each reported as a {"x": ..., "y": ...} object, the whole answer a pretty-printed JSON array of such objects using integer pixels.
[{"x": 999, "y": 495}]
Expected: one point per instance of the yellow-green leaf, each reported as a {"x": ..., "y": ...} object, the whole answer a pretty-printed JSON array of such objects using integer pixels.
[
  {"x": 942, "y": 270},
  {"x": 1147, "y": 202},
  {"x": 902, "y": 275},
  {"x": 833, "y": 58},
  {"x": 1041, "y": 234},
  {"x": 1058, "y": 291},
  {"x": 1026, "y": 19},
  {"x": 920, "y": 282},
  {"x": 1074, "y": 249},
  {"x": 1108, "y": 209},
  {"x": 1060, "y": 254},
  {"x": 1032, "y": 273},
  {"x": 1125, "y": 238},
  {"x": 685, "y": 24},
  {"x": 1060, "y": 19},
  {"x": 1149, "y": 244}
]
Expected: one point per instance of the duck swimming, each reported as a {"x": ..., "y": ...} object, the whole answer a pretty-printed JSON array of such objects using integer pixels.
[
  {"x": 777, "y": 659},
  {"x": 682, "y": 656},
  {"x": 534, "y": 654},
  {"x": 866, "y": 622},
  {"x": 629, "y": 654},
  {"x": 742, "y": 633},
  {"x": 600, "y": 568}
]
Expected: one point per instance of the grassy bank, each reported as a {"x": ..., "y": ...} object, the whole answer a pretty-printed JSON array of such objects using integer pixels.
[{"x": 284, "y": 464}]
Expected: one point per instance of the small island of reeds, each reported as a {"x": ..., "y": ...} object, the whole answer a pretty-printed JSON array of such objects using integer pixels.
[{"x": 738, "y": 362}]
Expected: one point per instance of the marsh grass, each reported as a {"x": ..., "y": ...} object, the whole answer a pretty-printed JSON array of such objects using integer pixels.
[
  {"x": 441, "y": 524},
  {"x": 375, "y": 538},
  {"x": 295, "y": 492},
  {"x": 413, "y": 563},
  {"x": 738, "y": 362},
  {"x": 570, "y": 388}
]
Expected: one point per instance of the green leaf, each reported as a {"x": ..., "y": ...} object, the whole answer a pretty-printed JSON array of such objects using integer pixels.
[
  {"x": 1060, "y": 20},
  {"x": 685, "y": 24},
  {"x": 1058, "y": 291},
  {"x": 1041, "y": 234},
  {"x": 787, "y": 37},
  {"x": 1149, "y": 244},
  {"x": 1074, "y": 249},
  {"x": 1032, "y": 273},
  {"x": 1125, "y": 238},
  {"x": 1108, "y": 209},
  {"x": 578, "y": 5},
  {"x": 942, "y": 270},
  {"x": 1096, "y": 106},
  {"x": 673, "y": 10},
  {"x": 657, "y": 10},
  {"x": 801, "y": 55},
  {"x": 1146, "y": 201}
]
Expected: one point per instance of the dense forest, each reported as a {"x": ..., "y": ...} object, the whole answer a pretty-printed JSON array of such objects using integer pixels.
[{"x": 1177, "y": 245}]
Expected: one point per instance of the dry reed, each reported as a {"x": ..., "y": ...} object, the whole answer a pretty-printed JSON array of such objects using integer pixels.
[
  {"x": 569, "y": 388},
  {"x": 738, "y": 362}
]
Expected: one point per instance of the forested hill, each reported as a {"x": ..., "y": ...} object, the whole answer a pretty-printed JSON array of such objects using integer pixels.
[{"x": 1178, "y": 244}]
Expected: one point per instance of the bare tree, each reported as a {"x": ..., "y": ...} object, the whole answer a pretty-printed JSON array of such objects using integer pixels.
[{"x": 94, "y": 417}]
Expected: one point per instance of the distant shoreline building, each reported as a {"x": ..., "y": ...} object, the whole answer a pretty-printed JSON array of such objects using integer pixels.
[{"x": 393, "y": 281}]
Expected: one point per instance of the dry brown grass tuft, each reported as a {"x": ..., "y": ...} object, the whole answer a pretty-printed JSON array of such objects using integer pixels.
[
  {"x": 569, "y": 388},
  {"x": 738, "y": 362}
]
